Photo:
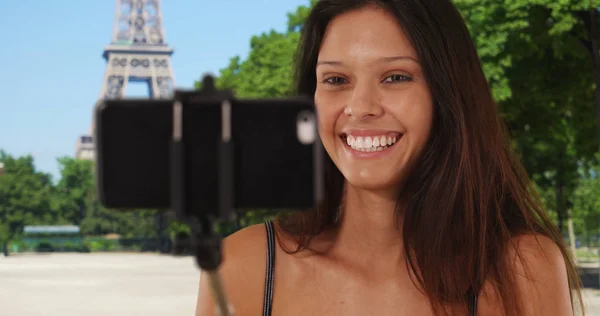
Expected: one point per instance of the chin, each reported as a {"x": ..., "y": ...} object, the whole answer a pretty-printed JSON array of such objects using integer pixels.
[{"x": 372, "y": 182}]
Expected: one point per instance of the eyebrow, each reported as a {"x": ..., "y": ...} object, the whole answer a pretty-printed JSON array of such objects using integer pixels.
[{"x": 383, "y": 59}]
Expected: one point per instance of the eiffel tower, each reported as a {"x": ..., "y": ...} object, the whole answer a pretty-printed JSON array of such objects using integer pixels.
[{"x": 137, "y": 53}]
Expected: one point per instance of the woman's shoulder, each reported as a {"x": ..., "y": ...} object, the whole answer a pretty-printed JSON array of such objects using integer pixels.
[
  {"x": 539, "y": 269},
  {"x": 248, "y": 245},
  {"x": 242, "y": 271},
  {"x": 537, "y": 258}
]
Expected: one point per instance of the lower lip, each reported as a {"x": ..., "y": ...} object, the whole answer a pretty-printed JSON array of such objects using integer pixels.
[{"x": 370, "y": 154}]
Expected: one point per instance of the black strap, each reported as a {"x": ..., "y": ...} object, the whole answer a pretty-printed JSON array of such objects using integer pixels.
[
  {"x": 473, "y": 304},
  {"x": 269, "y": 278}
]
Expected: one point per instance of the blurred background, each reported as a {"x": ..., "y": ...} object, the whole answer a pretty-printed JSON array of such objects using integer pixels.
[{"x": 65, "y": 254}]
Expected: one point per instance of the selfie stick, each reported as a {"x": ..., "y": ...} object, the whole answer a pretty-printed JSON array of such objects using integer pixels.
[{"x": 206, "y": 244}]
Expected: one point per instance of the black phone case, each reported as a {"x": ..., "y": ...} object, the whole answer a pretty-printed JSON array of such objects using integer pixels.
[{"x": 272, "y": 168}]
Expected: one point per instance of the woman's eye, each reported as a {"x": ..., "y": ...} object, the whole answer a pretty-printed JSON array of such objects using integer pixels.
[
  {"x": 390, "y": 79},
  {"x": 335, "y": 80},
  {"x": 396, "y": 78}
]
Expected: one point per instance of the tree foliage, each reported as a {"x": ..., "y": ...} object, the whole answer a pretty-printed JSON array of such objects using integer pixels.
[
  {"x": 29, "y": 197},
  {"x": 75, "y": 182},
  {"x": 539, "y": 73},
  {"x": 267, "y": 71},
  {"x": 586, "y": 202},
  {"x": 100, "y": 220},
  {"x": 25, "y": 196}
]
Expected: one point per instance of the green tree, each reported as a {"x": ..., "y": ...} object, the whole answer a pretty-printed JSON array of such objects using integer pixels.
[
  {"x": 297, "y": 19},
  {"x": 267, "y": 72},
  {"x": 588, "y": 35},
  {"x": 507, "y": 32},
  {"x": 538, "y": 72},
  {"x": 586, "y": 202},
  {"x": 74, "y": 185},
  {"x": 100, "y": 220},
  {"x": 25, "y": 195}
]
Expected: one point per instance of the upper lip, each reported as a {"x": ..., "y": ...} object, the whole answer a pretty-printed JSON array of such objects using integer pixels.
[{"x": 368, "y": 132}]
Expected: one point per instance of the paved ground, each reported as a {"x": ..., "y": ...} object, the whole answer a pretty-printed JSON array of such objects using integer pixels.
[
  {"x": 128, "y": 285},
  {"x": 590, "y": 278},
  {"x": 592, "y": 299},
  {"x": 98, "y": 285}
]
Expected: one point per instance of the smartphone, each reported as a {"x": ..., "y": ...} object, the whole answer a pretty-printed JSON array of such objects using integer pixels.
[
  {"x": 277, "y": 153},
  {"x": 276, "y": 162}
]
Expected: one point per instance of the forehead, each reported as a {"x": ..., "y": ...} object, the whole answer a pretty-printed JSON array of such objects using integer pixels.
[{"x": 366, "y": 33}]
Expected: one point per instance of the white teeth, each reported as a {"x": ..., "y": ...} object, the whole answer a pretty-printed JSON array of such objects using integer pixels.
[
  {"x": 370, "y": 143},
  {"x": 359, "y": 142},
  {"x": 375, "y": 141}
]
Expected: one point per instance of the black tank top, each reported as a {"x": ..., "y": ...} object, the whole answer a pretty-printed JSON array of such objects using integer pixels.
[{"x": 269, "y": 277}]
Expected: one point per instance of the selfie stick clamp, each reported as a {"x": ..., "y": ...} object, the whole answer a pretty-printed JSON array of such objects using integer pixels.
[{"x": 206, "y": 244}]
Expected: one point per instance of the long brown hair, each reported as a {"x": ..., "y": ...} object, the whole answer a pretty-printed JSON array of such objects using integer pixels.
[{"x": 469, "y": 195}]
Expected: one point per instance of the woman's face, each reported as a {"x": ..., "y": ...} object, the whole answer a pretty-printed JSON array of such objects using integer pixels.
[{"x": 375, "y": 108}]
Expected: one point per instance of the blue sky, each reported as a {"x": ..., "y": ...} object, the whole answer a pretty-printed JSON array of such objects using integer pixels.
[{"x": 51, "y": 65}]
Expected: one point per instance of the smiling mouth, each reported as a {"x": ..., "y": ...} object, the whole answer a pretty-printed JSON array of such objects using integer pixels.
[{"x": 371, "y": 143}]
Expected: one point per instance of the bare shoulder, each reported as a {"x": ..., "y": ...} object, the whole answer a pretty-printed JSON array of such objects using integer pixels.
[
  {"x": 540, "y": 275},
  {"x": 242, "y": 270}
]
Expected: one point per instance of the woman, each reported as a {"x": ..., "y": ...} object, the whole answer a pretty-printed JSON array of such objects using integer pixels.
[{"x": 427, "y": 211}]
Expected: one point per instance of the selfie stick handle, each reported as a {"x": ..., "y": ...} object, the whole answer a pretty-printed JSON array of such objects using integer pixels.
[{"x": 206, "y": 244}]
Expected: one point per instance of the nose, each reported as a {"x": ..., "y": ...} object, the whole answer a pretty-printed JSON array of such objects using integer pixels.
[{"x": 364, "y": 102}]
